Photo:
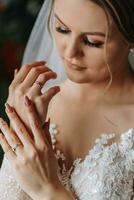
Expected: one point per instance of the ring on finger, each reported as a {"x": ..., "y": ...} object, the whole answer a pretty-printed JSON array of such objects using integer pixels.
[
  {"x": 14, "y": 148},
  {"x": 39, "y": 84}
]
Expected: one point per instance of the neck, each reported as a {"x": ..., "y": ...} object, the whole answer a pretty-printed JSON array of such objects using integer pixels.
[{"x": 93, "y": 92}]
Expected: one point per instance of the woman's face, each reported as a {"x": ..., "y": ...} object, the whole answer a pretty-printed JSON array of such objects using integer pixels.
[{"x": 80, "y": 30}]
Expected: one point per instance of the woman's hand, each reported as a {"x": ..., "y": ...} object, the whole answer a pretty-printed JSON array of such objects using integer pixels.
[
  {"x": 34, "y": 164},
  {"x": 29, "y": 81}
]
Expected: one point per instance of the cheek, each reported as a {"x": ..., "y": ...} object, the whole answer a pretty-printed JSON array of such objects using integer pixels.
[
  {"x": 96, "y": 68},
  {"x": 60, "y": 43},
  {"x": 94, "y": 58},
  {"x": 117, "y": 54}
]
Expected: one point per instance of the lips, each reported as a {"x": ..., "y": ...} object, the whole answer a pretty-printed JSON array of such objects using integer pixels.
[{"x": 75, "y": 66}]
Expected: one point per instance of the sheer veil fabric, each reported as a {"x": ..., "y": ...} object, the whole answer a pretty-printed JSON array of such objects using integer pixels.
[{"x": 42, "y": 47}]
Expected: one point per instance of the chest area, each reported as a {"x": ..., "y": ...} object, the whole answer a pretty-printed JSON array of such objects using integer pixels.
[
  {"x": 104, "y": 176},
  {"x": 81, "y": 125},
  {"x": 103, "y": 171}
]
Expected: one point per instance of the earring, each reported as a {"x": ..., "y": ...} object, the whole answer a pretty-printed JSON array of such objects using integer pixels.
[{"x": 132, "y": 50}]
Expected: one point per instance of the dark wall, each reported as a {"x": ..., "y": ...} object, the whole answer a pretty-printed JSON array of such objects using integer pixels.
[{"x": 16, "y": 21}]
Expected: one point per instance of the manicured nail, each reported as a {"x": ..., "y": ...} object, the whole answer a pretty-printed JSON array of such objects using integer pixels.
[
  {"x": 48, "y": 122},
  {"x": 1, "y": 136},
  {"x": 15, "y": 72},
  {"x": 2, "y": 122},
  {"x": 57, "y": 89},
  {"x": 43, "y": 62},
  {"x": 9, "y": 108},
  {"x": 27, "y": 101}
]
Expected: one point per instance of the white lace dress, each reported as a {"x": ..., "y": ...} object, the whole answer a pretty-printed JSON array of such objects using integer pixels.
[{"x": 106, "y": 172}]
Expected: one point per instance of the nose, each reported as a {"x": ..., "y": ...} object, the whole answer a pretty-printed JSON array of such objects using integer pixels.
[{"x": 73, "y": 49}]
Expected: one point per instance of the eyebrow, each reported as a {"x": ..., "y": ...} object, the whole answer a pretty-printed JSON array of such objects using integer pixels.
[{"x": 87, "y": 33}]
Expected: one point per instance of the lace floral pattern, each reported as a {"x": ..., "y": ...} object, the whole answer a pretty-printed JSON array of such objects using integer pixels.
[
  {"x": 106, "y": 172},
  {"x": 9, "y": 188}
]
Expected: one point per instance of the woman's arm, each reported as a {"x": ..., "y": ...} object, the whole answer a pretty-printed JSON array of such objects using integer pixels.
[
  {"x": 34, "y": 164},
  {"x": 56, "y": 194}
]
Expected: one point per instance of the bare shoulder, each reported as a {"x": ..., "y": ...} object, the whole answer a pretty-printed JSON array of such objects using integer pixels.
[{"x": 56, "y": 105}]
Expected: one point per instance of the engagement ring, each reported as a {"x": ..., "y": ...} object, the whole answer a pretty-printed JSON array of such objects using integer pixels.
[{"x": 16, "y": 146}]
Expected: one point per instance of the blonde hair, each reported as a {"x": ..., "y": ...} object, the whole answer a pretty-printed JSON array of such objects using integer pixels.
[{"x": 49, "y": 19}]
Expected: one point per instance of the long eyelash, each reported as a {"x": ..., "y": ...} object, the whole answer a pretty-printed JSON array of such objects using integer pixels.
[
  {"x": 97, "y": 45},
  {"x": 62, "y": 31},
  {"x": 86, "y": 41}
]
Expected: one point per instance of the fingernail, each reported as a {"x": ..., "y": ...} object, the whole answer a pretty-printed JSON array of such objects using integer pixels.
[
  {"x": 2, "y": 122},
  {"x": 1, "y": 136},
  {"x": 48, "y": 123},
  {"x": 15, "y": 72},
  {"x": 57, "y": 89},
  {"x": 43, "y": 62},
  {"x": 55, "y": 74},
  {"x": 27, "y": 101},
  {"x": 9, "y": 108}
]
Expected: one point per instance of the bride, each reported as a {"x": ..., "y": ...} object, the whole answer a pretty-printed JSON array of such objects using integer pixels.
[{"x": 72, "y": 111}]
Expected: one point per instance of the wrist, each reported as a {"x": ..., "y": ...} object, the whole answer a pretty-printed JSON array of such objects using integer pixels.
[{"x": 56, "y": 193}]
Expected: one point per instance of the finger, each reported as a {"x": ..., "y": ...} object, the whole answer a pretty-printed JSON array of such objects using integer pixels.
[
  {"x": 35, "y": 124},
  {"x": 32, "y": 76},
  {"x": 40, "y": 81},
  {"x": 45, "y": 128},
  {"x": 24, "y": 70},
  {"x": 19, "y": 127},
  {"x": 6, "y": 148},
  {"x": 15, "y": 72},
  {"x": 49, "y": 94},
  {"x": 8, "y": 133}
]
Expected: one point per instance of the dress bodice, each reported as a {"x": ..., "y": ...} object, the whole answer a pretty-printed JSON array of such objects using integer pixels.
[{"x": 105, "y": 173}]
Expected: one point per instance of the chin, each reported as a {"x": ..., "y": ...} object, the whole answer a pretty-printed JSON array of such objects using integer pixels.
[
  {"x": 78, "y": 79},
  {"x": 86, "y": 77}
]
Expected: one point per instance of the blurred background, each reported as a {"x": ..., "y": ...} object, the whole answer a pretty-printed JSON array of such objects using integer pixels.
[{"x": 17, "y": 18}]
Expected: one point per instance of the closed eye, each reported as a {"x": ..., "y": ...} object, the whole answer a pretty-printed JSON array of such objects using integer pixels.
[
  {"x": 61, "y": 30},
  {"x": 85, "y": 40}
]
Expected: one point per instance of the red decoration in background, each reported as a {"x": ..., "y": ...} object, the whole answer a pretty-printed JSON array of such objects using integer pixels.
[
  {"x": 12, "y": 55},
  {"x": 3, "y": 7}
]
